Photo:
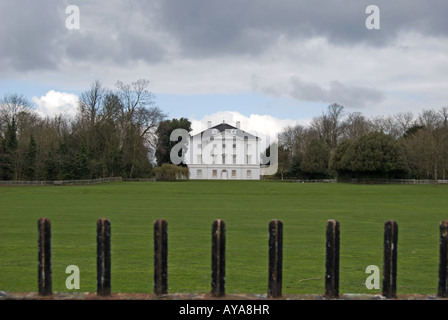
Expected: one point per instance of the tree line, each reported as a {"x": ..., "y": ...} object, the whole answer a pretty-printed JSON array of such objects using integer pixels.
[
  {"x": 120, "y": 132},
  {"x": 344, "y": 145},
  {"x": 112, "y": 134}
]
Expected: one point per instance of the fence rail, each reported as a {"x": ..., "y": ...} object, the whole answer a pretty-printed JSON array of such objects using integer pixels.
[
  {"x": 367, "y": 181},
  {"x": 218, "y": 245},
  {"x": 59, "y": 182},
  {"x": 113, "y": 179}
]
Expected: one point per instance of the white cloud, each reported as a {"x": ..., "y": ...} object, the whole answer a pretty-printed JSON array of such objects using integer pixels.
[
  {"x": 56, "y": 103},
  {"x": 262, "y": 126}
]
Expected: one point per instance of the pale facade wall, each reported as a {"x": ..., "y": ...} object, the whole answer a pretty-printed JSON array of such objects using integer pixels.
[
  {"x": 217, "y": 172},
  {"x": 225, "y": 156}
]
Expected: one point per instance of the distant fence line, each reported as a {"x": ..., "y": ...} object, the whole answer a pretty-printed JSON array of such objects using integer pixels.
[
  {"x": 138, "y": 180},
  {"x": 396, "y": 181},
  {"x": 218, "y": 255},
  {"x": 114, "y": 179},
  {"x": 362, "y": 181},
  {"x": 60, "y": 182}
]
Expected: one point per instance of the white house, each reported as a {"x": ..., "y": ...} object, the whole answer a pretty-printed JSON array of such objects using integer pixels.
[{"x": 224, "y": 152}]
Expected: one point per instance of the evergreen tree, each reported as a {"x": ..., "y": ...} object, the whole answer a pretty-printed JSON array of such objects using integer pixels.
[
  {"x": 315, "y": 159},
  {"x": 66, "y": 165},
  {"x": 51, "y": 167},
  {"x": 30, "y": 160},
  {"x": 8, "y": 158},
  {"x": 164, "y": 144},
  {"x": 375, "y": 155}
]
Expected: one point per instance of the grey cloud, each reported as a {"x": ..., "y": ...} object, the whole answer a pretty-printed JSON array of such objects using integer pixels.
[
  {"x": 33, "y": 34},
  {"x": 349, "y": 96},
  {"x": 216, "y": 27},
  {"x": 28, "y": 35}
]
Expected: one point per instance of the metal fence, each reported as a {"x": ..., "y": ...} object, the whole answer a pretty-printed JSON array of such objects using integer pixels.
[{"x": 218, "y": 263}]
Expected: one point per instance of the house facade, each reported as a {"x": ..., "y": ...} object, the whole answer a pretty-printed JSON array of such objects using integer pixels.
[{"x": 224, "y": 152}]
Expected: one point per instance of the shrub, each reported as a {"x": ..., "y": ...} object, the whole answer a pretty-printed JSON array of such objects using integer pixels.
[{"x": 171, "y": 172}]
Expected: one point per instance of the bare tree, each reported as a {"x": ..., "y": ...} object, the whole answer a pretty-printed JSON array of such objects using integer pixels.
[
  {"x": 90, "y": 102},
  {"x": 329, "y": 125},
  {"x": 14, "y": 105},
  {"x": 138, "y": 117},
  {"x": 427, "y": 147},
  {"x": 405, "y": 120},
  {"x": 355, "y": 126}
]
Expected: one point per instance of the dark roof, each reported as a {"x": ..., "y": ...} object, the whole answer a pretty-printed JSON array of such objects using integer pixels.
[{"x": 222, "y": 127}]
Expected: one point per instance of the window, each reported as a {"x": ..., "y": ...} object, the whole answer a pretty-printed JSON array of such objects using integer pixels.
[
  {"x": 223, "y": 159},
  {"x": 199, "y": 159},
  {"x": 199, "y": 173},
  {"x": 233, "y": 173},
  {"x": 215, "y": 174},
  {"x": 199, "y": 145},
  {"x": 223, "y": 146},
  {"x": 248, "y": 159},
  {"x": 234, "y": 159},
  {"x": 249, "y": 174}
]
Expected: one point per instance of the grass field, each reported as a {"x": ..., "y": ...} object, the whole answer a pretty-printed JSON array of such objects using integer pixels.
[{"x": 247, "y": 207}]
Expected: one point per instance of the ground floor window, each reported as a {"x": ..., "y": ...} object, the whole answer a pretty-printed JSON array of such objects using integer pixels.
[
  {"x": 199, "y": 173},
  {"x": 233, "y": 173},
  {"x": 249, "y": 174},
  {"x": 215, "y": 174}
]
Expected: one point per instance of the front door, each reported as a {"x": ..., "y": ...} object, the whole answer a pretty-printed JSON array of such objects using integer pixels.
[{"x": 224, "y": 174}]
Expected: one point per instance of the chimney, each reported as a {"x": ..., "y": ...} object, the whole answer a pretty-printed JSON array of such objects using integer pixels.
[
  {"x": 238, "y": 125},
  {"x": 209, "y": 124}
]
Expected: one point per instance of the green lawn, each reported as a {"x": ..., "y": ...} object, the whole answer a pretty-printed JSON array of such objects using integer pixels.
[{"x": 247, "y": 207}]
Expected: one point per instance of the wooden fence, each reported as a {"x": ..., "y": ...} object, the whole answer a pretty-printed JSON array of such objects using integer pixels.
[
  {"x": 218, "y": 263},
  {"x": 369, "y": 181},
  {"x": 59, "y": 182}
]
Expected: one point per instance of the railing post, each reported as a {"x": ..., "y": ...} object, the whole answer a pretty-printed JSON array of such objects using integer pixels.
[
  {"x": 332, "y": 259},
  {"x": 103, "y": 257},
  {"x": 275, "y": 258},
  {"x": 390, "y": 259},
  {"x": 160, "y": 257},
  {"x": 44, "y": 257},
  {"x": 443, "y": 260},
  {"x": 218, "y": 258}
]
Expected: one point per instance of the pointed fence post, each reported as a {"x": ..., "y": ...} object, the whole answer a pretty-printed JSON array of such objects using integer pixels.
[
  {"x": 275, "y": 258},
  {"x": 103, "y": 257},
  {"x": 443, "y": 260},
  {"x": 160, "y": 257},
  {"x": 44, "y": 257},
  {"x": 390, "y": 259},
  {"x": 332, "y": 259},
  {"x": 218, "y": 258}
]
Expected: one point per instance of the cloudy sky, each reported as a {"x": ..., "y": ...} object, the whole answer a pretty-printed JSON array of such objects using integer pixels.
[{"x": 265, "y": 63}]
